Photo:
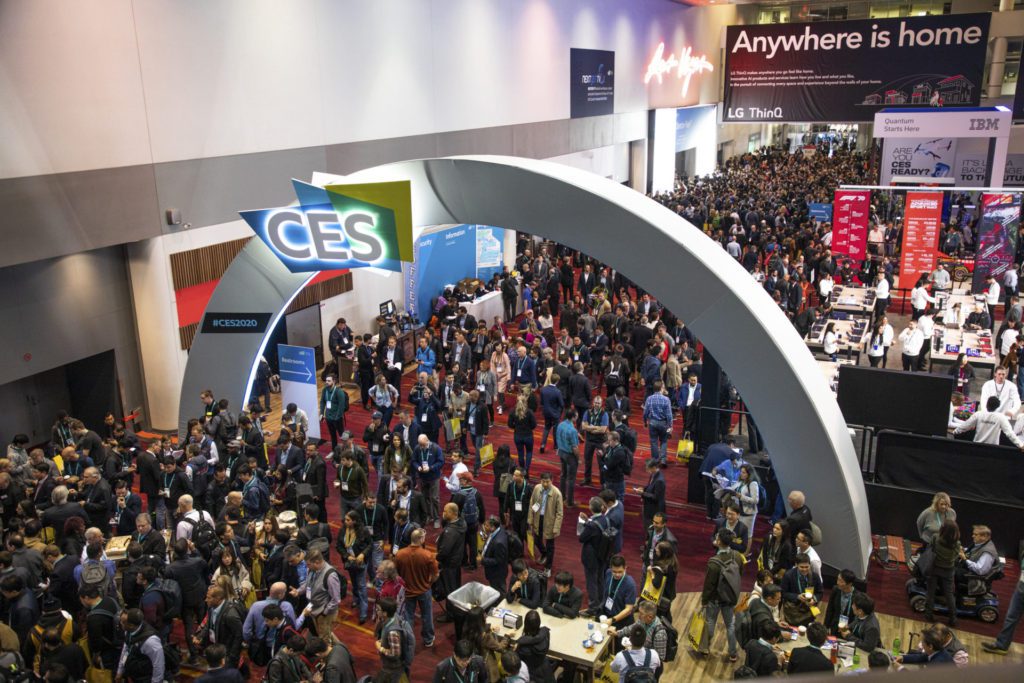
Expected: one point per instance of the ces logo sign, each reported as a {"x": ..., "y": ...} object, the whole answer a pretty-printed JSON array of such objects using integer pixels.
[{"x": 339, "y": 226}]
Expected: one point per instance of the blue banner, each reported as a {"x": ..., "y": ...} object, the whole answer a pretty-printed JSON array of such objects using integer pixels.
[
  {"x": 447, "y": 256},
  {"x": 298, "y": 382},
  {"x": 821, "y": 212}
]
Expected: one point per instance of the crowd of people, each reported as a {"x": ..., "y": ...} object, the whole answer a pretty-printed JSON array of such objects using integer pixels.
[{"x": 251, "y": 575}]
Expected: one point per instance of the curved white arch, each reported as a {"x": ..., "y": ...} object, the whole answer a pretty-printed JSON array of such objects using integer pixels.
[{"x": 663, "y": 253}]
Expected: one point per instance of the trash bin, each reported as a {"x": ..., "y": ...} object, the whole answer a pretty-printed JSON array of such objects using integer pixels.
[{"x": 465, "y": 598}]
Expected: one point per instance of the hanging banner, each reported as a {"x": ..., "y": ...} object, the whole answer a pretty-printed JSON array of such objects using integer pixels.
[
  {"x": 922, "y": 157},
  {"x": 997, "y": 236},
  {"x": 851, "y": 210},
  {"x": 1013, "y": 176},
  {"x": 298, "y": 383},
  {"x": 921, "y": 226},
  {"x": 848, "y": 70},
  {"x": 591, "y": 82}
]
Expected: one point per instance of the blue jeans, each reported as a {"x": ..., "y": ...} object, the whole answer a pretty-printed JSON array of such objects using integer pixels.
[
  {"x": 658, "y": 429},
  {"x": 1013, "y": 615},
  {"x": 426, "y": 603},
  {"x": 374, "y": 560},
  {"x": 550, "y": 424},
  {"x": 619, "y": 487},
  {"x": 387, "y": 414},
  {"x": 713, "y": 610},
  {"x": 524, "y": 447},
  {"x": 358, "y": 577},
  {"x": 163, "y": 515}
]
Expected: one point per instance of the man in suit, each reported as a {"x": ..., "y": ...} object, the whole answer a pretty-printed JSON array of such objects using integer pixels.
[
  {"x": 863, "y": 630},
  {"x": 800, "y": 518},
  {"x": 290, "y": 454},
  {"x": 761, "y": 657},
  {"x": 314, "y": 473},
  {"x": 590, "y": 533},
  {"x": 216, "y": 671},
  {"x": 223, "y": 625},
  {"x": 766, "y": 611},
  {"x": 587, "y": 281},
  {"x": 44, "y": 486},
  {"x": 933, "y": 650},
  {"x": 412, "y": 502},
  {"x": 810, "y": 659},
  {"x": 653, "y": 494},
  {"x": 839, "y": 611},
  {"x": 657, "y": 532},
  {"x": 465, "y": 321},
  {"x": 688, "y": 402},
  {"x": 451, "y": 545},
  {"x": 796, "y": 583},
  {"x": 390, "y": 361},
  {"x": 148, "y": 467},
  {"x": 340, "y": 339},
  {"x": 494, "y": 554},
  {"x": 96, "y": 499}
]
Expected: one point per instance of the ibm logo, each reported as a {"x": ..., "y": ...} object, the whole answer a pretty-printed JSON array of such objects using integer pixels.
[{"x": 984, "y": 124}]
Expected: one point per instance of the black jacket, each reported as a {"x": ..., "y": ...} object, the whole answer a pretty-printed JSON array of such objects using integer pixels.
[
  {"x": 228, "y": 630},
  {"x": 530, "y": 594},
  {"x": 566, "y": 606},
  {"x": 761, "y": 658},
  {"x": 533, "y": 650},
  {"x": 100, "y": 629},
  {"x": 653, "y": 496},
  {"x": 149, "y": 473},
  {"x": 808, "y": 660},
  {"x": 314, "y": 473},
  {"x": 495, "y": 559},
  {"x": 450, "y": 544},
  {"x": 760, "y": 617}
]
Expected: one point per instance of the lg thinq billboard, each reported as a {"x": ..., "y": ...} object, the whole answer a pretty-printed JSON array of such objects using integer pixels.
[{"x": 848, "y": 70}]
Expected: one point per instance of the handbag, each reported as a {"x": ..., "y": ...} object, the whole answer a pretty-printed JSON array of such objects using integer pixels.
[
  {"x": 649, "y": 591},
  {"x": 504, "y": 481},
  {"x": 685, "y": 448},
  {"x": 696, "y": 631},
  {"x": 486, "y": 454}
]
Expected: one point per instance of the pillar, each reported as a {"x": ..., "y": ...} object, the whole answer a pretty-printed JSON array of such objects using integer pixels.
[{"x": 156, "y": 326}]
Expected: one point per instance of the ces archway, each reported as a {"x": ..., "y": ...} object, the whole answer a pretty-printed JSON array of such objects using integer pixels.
[{"x": 663, "y": 253}]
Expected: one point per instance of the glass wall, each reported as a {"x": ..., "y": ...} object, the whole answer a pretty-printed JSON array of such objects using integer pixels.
[{"x": 784, "y": 12}]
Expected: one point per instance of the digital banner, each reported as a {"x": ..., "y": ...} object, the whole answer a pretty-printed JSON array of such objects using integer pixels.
[
  {"x": 850, "y": 212},
  {"x": 921, "y": 226},
  {"x": 298, "y": 383},
  {"x": 997, "y": 236},
  {"x": 922, "y": 157},
  {"x": 592, "y": 82},
  {"x": 848, "y": 70},
  {"x": 820, "y": 212},
  {"x": 970, "y": 169}
]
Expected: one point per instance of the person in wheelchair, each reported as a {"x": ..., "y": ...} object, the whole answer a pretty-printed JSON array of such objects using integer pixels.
[{"x": 978, "y": 562}]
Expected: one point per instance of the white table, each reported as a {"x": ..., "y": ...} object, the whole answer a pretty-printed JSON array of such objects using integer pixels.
[
  {"x": 830, "y": 371},
  {"x": 486, "y": 307},
  {"x": 962, "y": 340},
  {"x": 857, "y": 300},
  {"x": 567, "y": 636},
  {"x": 956, "y": 307}
]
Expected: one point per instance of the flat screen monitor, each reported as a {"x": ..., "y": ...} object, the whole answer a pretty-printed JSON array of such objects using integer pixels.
[
  {"x": 387, "y": 309},
  {"x": 890, "y": 399}
]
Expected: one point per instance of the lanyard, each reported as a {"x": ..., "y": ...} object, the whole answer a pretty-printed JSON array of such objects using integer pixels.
[
  {"x": 372, "y": 519},
  {"x": 617, "y": 586},
  {"x": 400, "y": 533},
  {"x": 168, "y": 478},
  {"x": 349, "y": 475},
  {"x": 521, "y": 493},
  {"x": 472, "y": 674}
]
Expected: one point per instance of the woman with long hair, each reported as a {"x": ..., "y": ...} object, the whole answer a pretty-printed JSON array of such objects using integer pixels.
[
  {"x": 931, "y": 519},
  {"x": 385, "y": 397},
  {"x": 522, "y": 422},
  {"x": 946, "y": 549},
  {"x": 503, "y": 468},
  {"x": 777, "y": 552},
  {"x": 875, "y": 345},
  {"x": 749, "y": 493},
  {"x": 353, "y": 544},
  {"x": 282, "y": 490},
  {"x": 663, "y": 571},
  {"x": 397, "y": 454},
  {"x": 830, "y": 341},
  {"x": 533, "y": 646},
  {"x": 227, "y": 565},
  {"x": 502, "y": 368},
  {"x": 485, "y": 643}
]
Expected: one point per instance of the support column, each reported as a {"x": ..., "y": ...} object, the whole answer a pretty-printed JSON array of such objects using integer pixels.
[
  {"x": 997, "y": 68},
  {"x": 156, "y": 316}
]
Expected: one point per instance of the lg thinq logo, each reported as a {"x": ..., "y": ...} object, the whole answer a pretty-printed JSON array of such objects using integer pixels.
[{"x": 339, "y": 226}]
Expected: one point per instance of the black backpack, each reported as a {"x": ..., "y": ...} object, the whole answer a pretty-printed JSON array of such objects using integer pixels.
[
  {"x": 203, "y": 534},
  {"x": 672, "y": 639},
  {"x": 606, "y": 541},
  {"x": 319, "y": 541},
  {"x": 638, "y": 673},
  {"x": 470, "y": 510},
  {"x": 728, "y": 590}
]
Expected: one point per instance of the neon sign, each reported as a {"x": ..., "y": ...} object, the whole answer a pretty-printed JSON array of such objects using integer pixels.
[{"x": 686, "y": 66}]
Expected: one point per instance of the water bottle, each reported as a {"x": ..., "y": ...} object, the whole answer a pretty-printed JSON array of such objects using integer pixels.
[
  {"x": 896, "y": 647},
  {"x": 856, "y": 658}
]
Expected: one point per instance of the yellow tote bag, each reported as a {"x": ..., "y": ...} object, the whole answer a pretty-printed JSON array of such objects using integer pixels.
[
  {"x": 685, "y": 448},
  {"x": 486, "y": 454},
  {"x": 650, "y": 592},
  {"x": 696, "y": 630},
  {"x": 530, "y": 547}
]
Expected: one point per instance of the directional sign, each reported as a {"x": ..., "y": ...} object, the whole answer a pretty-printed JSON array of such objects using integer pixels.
[{"x": 298, "y": 382}]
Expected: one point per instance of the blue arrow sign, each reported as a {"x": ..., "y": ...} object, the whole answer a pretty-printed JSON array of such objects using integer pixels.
[{"x": 297, "y": 364}]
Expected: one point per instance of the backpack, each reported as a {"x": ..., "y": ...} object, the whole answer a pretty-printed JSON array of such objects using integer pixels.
[
  {"x": 470, "y": 511},
  {"x": 606, "y": 541},
  {"x": 94, "y": 573},
  {"x": 515, "y": 545},
  {"x": 627, "y": 436},
  {"x": 671, "y": 640},
  {"x": 638, "y": 673},
  {"x": 117, "y": 637},
  {"x": 204, "y": 537},
  {"x": 320, "y": 542},
  {"x": 170, "y": 591},
  {"x": 408, "y": 640},
  {"x": 728, "y": 590},
  {"x": 172, "y": 661},
  {"x": 744, "y": 627}
]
